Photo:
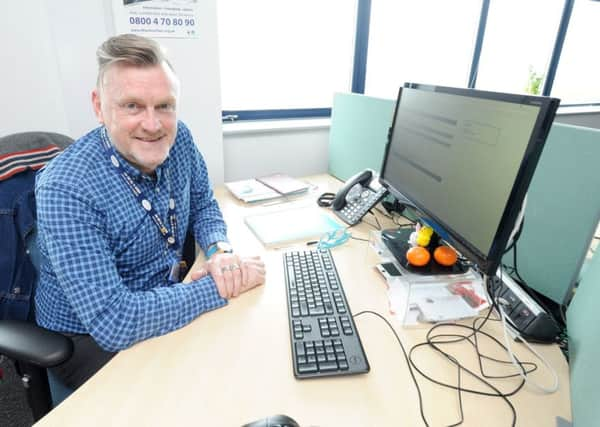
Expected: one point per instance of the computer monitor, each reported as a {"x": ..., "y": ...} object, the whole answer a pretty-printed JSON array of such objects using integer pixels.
[{"x": 464, "y": 158}]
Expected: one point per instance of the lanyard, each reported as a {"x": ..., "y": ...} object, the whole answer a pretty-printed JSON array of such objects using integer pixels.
[{"x": 139, "y": 194}]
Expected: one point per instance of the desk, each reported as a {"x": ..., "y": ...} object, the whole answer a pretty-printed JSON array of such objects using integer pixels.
[{"x": 233, "y": 365}]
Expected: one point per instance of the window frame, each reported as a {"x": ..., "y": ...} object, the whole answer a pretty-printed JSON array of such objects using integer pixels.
[{"x": 361, "y": 46}]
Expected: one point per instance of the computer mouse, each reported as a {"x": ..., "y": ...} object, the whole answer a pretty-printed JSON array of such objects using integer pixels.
[{"x": 278, "y": 420}]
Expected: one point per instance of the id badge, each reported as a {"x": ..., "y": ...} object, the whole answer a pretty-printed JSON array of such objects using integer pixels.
[{"x": 178, "y": 271}]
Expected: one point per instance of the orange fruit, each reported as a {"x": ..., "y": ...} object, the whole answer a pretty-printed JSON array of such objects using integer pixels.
[
  {"x": 445, "y": 255},
  {"x": 418, "y": 256}
]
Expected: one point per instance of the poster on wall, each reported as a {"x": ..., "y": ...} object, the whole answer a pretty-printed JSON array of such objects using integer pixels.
[{"x": 157, "y": 18}]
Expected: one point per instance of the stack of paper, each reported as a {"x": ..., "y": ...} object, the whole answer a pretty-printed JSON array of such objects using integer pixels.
[
  {"x": 267, "y": 187},
  {"x": 250, "y": 190},
  {"x": 283, "y": 184}
]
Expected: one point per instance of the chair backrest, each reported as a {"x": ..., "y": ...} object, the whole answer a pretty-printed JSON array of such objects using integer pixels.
[{"x": 20, "y": 156}]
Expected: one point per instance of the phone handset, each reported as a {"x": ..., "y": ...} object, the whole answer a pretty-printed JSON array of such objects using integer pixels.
[{"x": 356, "y": 197}]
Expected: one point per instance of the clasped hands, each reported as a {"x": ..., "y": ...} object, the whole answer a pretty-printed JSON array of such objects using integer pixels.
[{"x": 232, "y": 274}]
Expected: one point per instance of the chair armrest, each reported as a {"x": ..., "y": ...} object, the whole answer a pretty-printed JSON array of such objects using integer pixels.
[{"x": 27, "y": 342}]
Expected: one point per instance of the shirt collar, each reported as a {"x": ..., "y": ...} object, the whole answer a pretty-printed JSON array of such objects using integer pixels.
[{"x": 134, "y": 172}]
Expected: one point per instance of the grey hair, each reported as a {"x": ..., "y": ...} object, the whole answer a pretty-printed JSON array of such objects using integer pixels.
[{"x": 129, "y": 49}]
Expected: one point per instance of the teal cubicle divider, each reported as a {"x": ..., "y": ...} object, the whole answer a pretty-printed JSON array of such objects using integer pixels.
[
  {"x": 358, "y": 133},
  {"x": 562, "y": 212},
  {"x": 583, "y": 327}
]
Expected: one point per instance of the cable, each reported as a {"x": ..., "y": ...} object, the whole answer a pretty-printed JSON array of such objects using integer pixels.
[
  {"x": 378, "y": 226},
  {"x": 483, "y": 356},
  {"x": 510, "y": 353},
  {"x": 436, "y": 340},
  {"x": 515, "y": 238},
  {"x": 359, "y": 238},
  {"x": 513, "y": 272},
  {"x": 522, "y": 372},
  {"x": 385, "y": 214},
  {"x": 436, "y": 337},
  {"x": 405, "y": 357},
  {"x": 455, "y": 339},
  {"x": 431, "y": 341},
  {"x": 521, "y": 282},
  {"x": 396, "y": 210}
]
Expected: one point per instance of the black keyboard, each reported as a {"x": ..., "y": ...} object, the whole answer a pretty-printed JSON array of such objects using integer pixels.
[{"x": 323, "y": 335}]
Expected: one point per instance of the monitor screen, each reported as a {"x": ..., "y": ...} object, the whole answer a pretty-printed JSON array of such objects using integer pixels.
[{"x": 464, "y": 158}]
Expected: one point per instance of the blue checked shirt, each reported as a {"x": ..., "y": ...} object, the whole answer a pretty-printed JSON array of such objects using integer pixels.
[{"x": 105, "y": 265}]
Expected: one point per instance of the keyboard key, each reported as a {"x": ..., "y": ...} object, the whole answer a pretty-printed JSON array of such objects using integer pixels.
[
  {"x": 307, "y": 368},
  {"x": 328, "y": 366}
]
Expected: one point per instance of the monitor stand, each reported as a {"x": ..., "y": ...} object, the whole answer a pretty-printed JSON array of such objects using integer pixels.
[{"x": 396, "y": 240}]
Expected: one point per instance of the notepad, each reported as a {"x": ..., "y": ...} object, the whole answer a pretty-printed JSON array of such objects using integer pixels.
[
  {"x": 283, "y": 184},
  {"x": 250, "y": 191},
  {"x": 291, "y": 225},
  {"x": 277, "y": 185}
]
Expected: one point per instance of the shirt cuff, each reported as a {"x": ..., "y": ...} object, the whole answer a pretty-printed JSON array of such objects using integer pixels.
[
  {"x": 208, "y": 239},
  {"x": 209, "y": 293}
]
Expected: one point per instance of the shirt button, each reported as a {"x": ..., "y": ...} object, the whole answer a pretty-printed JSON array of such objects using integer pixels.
[{"x": 158, "y": 189}]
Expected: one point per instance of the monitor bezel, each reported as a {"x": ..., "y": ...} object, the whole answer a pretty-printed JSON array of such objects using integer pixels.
[{"x": 487, "y": 263}]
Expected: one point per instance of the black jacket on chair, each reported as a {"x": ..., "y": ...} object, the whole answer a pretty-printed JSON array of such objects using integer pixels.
[
  {"x": 31, "y": 347},
  {"x": 20, "y": 156}
]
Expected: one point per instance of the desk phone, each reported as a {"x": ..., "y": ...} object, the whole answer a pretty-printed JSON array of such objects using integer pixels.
[{"x": 357, "y": 197}]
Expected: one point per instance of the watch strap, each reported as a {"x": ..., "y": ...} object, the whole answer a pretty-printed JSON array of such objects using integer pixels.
[{"x": 214, "y": 248}]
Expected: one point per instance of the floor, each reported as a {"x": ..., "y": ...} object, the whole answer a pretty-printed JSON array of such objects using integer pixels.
[{"x": 14, "y": 410}]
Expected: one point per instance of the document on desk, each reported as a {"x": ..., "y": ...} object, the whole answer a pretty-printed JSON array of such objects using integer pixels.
[
  {"x": 268, "y": 187},
  {"x": 251, "y": 190},
  {"x": 287, "y": 226},
  {"x": 284, "y": 184}
]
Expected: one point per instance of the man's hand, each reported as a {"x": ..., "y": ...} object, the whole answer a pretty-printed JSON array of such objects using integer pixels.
[{"x": 232, "y": 273}]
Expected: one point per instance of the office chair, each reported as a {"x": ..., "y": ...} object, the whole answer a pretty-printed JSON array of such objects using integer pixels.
[{"x": 33, "y": 348}]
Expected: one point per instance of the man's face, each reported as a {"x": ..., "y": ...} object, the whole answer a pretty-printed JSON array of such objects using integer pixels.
[{"x": 137, "y": 106}]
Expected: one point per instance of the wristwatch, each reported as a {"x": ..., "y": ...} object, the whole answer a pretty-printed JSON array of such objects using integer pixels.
[{"x": 218, "y": 248}]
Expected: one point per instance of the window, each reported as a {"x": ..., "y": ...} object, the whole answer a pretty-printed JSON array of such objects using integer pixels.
[
  {"x": 577, "y": 78},
  {"x": 285, "y": 55},
  {"x": 518, "y": 42},
  {"x": 428, "y": 41},
  {"x": 283, "y": 59}
]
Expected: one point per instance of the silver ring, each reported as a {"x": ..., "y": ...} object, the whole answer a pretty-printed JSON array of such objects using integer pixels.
[{"x": 230, "y": 267}]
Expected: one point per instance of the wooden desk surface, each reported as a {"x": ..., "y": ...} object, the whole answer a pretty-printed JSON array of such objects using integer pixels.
[{"x": 233, "y": 365}]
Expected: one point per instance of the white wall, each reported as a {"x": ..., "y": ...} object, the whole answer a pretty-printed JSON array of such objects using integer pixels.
[
  {"x": 196, "y": 62},
  {"x": 590, "y": 120},
  {"x": 297, "y": 152},
  {"x": 76, "y": 30},
  {"x": 32, "y": 97},
  {"x": 48, "y": 71}
]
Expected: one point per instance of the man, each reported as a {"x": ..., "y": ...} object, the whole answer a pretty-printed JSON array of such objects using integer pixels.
[{"x": 113, "y": 210}]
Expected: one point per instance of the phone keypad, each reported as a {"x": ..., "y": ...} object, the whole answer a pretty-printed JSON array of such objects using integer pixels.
[{"x": 356, "y": 209}]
